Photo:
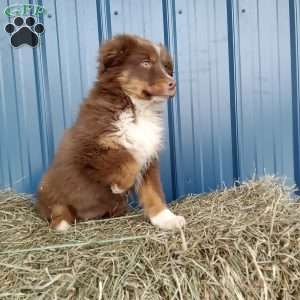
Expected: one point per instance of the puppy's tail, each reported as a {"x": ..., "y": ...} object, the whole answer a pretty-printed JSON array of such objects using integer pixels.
[{"x": 62, "y": 216}]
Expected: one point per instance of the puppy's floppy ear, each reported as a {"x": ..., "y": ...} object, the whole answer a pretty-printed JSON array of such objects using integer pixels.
[{"x": 114, "y": 51}]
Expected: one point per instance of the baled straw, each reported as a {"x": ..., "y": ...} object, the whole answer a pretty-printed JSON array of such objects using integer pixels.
[{"x": 240, "y": 243}]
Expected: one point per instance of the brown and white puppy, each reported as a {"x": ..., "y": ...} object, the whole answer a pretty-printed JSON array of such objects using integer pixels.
[{"x": 114, "y": 144}]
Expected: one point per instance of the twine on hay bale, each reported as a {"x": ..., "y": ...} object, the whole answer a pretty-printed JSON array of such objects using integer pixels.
[{"x": 240, "y": 243}]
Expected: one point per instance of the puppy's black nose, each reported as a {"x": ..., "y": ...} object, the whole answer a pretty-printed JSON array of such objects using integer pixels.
[{"x": 172, "y": 84}]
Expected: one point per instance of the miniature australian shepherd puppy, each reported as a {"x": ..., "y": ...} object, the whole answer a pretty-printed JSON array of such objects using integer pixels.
[{"x": 114, "y": 145}]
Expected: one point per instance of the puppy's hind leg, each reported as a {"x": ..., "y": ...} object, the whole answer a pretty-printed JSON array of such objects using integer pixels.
[{"x": 62, "y": 216}]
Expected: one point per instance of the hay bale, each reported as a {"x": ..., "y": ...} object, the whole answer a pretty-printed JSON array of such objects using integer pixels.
[{"x": 240, "y": 243}]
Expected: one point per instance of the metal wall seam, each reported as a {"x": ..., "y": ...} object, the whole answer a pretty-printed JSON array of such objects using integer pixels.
[
  {"x": 294, "y": 36},
  {"x": 233, "y": 61},
  {"x": 169, "y": 12}
]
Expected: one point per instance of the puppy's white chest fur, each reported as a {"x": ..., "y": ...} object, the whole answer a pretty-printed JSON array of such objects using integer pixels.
[{"x": 141, "y": 133}]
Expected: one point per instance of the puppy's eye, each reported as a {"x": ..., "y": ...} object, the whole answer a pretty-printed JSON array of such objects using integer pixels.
[
  {"x": 146, "y": 64},
  {"x": 169, "y": 69}
]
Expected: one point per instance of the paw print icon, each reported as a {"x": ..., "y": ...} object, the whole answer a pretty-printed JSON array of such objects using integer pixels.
[{"x": 24, "y": 31}]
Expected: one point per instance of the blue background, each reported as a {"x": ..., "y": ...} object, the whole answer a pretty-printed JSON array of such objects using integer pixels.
[{"x": 236, "y": 113}]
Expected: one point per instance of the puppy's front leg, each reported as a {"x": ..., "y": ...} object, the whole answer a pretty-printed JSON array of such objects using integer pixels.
[
  {"x": 115, "y": 167},
  {"x": 124, "y": 175},
  {"x": 151, "y": 197}
]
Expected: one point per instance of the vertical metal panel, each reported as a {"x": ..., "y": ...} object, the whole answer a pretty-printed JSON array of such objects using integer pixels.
[
  {"x": 236, "y": 112},
  {"x": 21, "y": 142},
  {"x": 264, "y": 102},
  {"x": 202, "y": 122}
]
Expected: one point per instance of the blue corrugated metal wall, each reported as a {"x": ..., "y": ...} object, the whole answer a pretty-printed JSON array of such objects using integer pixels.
[{"x": 237, "y": 66}]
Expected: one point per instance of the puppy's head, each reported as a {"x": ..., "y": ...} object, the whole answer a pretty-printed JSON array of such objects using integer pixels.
[{"x": 143, "y": 69}]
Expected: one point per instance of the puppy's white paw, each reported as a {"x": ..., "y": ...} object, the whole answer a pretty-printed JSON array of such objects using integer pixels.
[
  {"x": 62, "y": 226},
  {"x": 116, "y": 190},
  {"x": 166, "y": 220}
]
